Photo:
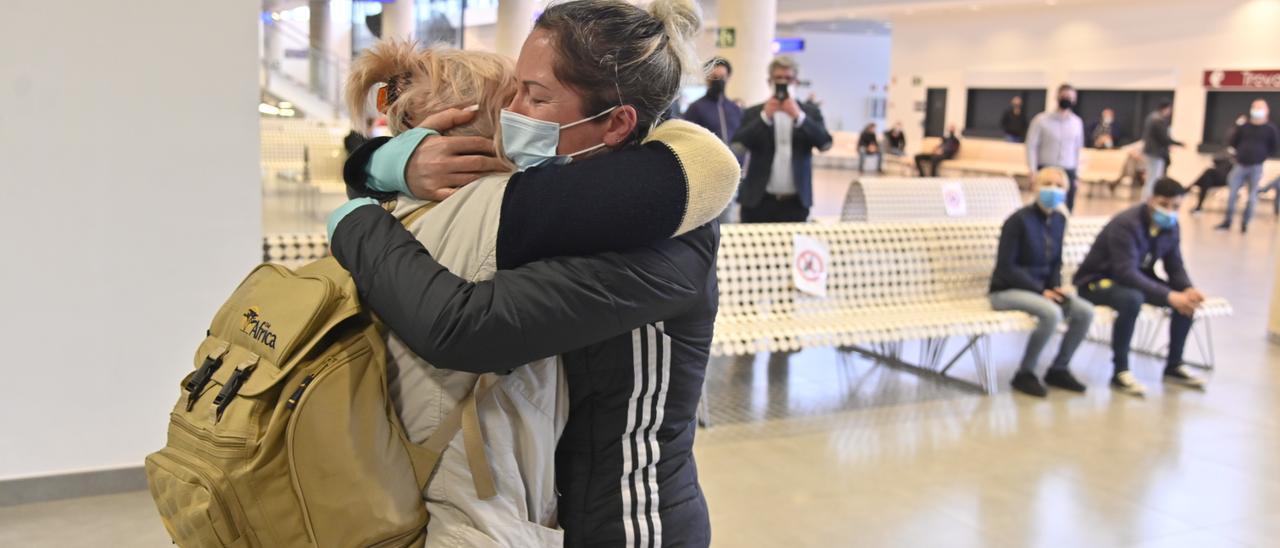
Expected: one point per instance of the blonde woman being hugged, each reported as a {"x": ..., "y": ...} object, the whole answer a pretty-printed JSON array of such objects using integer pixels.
[{"x": 632, "y": 329}]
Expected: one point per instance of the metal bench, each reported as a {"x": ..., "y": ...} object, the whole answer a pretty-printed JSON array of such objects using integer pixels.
[
  {"x": 883, "y": 199},
  {"x": 892, "y": 283},
  {"x": 887, "y": 284}
]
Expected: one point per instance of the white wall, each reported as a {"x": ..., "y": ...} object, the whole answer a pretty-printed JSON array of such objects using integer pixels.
[
  {"x": 1137, "y": 44},
  {"x": 841, "y": 67},
  {"x": 129, "y": 146}
]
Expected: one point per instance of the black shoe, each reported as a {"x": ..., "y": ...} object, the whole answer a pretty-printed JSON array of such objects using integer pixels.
[
  {"x": 1061, "y": 378},
  {"x": 1244, "y": 228},
  {"x": 1182, "y": 375},
  {"x": 1223, "y": 226},
  {"x": 1028, "y": 384}
]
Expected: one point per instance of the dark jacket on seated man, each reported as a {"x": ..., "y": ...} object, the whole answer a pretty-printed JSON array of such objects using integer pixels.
[
  {"x": 950, "y": 146},
  {"x": 895, "y": 141},
  {"x": 1126, "y": 253},
  {"x": 1030, "y": 256}
]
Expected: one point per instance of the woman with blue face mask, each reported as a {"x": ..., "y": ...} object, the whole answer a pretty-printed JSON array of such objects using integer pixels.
[
  {"x": 593, "y": 173},
  {"x": 1028, "y": 278}
]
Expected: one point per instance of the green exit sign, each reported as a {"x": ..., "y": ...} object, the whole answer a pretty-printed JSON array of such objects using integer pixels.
[{"x": 726, "y": 37}]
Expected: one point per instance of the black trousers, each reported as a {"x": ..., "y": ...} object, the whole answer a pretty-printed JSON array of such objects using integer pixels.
[
  {"x": 1127, "y": 302},
  {"x": 1210, "y": 179},
  {"x": 933, "y": 160},
  {"x": 776, "y": 209}
]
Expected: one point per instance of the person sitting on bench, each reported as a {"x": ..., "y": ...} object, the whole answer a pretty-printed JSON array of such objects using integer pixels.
[
  {"x": 1119, "y": 272},
  {"x": 1028, "y": 277},
  {"x": 1213, "y": 177},
  {"x": 945, "y": 151}
]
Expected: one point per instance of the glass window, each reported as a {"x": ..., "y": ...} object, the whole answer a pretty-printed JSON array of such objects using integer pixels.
[{"x": 986, "y": 107}]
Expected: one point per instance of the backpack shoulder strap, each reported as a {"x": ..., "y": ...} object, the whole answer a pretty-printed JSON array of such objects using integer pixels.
[
  {"x": 464, "y": 417},
  {"x": 417, "y": 214}
]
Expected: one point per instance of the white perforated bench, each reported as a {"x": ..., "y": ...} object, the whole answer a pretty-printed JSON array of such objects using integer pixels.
[
  {"x": 890, "y": 283},
  {"x": 885, "y": 199}
]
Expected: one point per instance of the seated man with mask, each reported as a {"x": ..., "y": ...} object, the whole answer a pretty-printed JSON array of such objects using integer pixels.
[{"x": 1119, "y": 272}]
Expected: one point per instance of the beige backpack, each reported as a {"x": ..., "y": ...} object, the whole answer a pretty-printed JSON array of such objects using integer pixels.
[{"x": 284, "y": 435}]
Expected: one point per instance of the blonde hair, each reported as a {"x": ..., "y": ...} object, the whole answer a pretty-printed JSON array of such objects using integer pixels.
[
  {"x": 431, "y": 80},
  {"x": 1043, "y": 175}
]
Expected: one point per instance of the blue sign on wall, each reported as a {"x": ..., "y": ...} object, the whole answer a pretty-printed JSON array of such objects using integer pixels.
[{"x": 788, "y": 45}]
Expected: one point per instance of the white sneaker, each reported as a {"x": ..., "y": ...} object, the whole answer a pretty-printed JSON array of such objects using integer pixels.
[
  {"x": 1182, "y": 375},
  {"x": 1124, "y": 381}
]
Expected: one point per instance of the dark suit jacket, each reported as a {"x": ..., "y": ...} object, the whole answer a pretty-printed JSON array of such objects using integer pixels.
[{"x": 757, "y": 137}]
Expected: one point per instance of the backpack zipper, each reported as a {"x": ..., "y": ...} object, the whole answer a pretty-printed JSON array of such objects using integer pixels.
[
  {"x": 328, "y": 366},
  {"x": 236, "y": 447}
]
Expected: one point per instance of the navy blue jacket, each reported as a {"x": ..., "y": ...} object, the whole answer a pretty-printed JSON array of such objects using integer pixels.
[
  {"x": 1254, "y": 143},
  {"x": 1127, "y": 250},
  {"x": 1030, "y": 255},
  {"x": 706, "y": 113},
  {"x": 757, "y": 137}
]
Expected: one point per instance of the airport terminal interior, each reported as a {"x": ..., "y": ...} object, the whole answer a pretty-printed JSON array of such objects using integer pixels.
[{"x": 860, "y": 390}]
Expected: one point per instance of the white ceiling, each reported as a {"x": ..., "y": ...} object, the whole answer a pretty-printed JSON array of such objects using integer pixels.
[{"x": 795, "y": 11}]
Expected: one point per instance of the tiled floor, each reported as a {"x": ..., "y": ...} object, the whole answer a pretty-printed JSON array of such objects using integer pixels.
[{"x": 818, "y": 449}]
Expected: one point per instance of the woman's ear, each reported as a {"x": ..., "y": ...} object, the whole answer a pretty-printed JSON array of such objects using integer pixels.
[{"x": 621, "y": 126}]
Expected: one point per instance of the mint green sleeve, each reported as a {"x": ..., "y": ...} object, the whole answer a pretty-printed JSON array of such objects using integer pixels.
[
  {"x": 387, "y": 166},
  {"x": 343, "y": 210}
]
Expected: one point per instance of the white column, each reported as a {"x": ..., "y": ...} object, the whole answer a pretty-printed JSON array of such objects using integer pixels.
[
  {"x": 515, "y": 20},
  {"x": 398, "y": 20},
  {"x": 320, "y": 69},
  {"x": 753, "y": 22},
  {"x": 1273, "y": 326}
]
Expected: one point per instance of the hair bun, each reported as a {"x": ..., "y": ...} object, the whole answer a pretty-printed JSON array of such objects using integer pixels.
[{"x": 682, "y": 20}]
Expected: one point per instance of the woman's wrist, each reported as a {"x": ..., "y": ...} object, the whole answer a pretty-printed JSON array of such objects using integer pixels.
[
  {"x": 386, "y": 168},
  {"x": 343, "y": 210}
]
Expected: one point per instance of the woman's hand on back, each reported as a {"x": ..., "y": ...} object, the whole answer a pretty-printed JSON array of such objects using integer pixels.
[{"x": 442, "y": 164}]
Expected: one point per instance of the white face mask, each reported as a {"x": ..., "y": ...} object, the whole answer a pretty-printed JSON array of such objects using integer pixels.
[
  {"x": 1258, "y": 114},
  {"x": 530, "y": 142}
]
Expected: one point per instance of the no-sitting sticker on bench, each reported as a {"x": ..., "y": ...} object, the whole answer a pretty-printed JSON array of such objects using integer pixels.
[
  {"x": 953, "y": 199},
  {"x": 809, "y": 263}
]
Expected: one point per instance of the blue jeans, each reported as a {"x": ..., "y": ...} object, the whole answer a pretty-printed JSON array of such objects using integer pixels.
[
  {"x": 1237, "y": 178},
  {"x": 1155, "y": 170},
  {"x": 863, "y": 157},
  {"x": 1127, "y": 302},
  {"x": 1077, "y": 313}
]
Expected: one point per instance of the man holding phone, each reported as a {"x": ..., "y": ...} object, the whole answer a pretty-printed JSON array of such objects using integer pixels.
[{"x": 780, "y": 135}]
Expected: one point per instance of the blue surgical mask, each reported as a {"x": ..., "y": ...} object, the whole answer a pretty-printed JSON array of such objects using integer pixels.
[
  {"x": 530, "y": 142},
  {"x": 1164, "y": 218},
  {"x": 1052, "y": 197}
]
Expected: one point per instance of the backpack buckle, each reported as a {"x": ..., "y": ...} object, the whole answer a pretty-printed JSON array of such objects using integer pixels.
[
  {"x": 195, "y": 385},
  {"x": 234, "y": 383}
]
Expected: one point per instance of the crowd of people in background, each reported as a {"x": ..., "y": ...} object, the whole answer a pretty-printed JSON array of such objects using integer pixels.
[{"x": 777, "y": 139}]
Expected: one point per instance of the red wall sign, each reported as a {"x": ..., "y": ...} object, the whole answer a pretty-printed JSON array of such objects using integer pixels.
[{"x": 1242, "y": 79}]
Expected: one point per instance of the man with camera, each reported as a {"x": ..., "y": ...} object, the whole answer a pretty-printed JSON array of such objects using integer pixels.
[{"x": 780, "y": 136}]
